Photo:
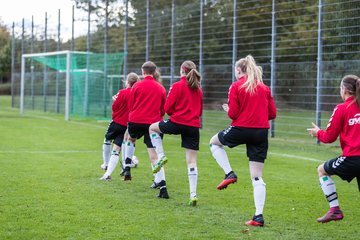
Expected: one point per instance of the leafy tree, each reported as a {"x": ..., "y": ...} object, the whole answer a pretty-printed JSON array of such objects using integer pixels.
[
  {"x": 98, "y": 7},
  {"x": 5, "y": 53}
]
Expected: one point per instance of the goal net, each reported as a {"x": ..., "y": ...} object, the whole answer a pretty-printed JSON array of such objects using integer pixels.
[{"x": 76, "y": 84}]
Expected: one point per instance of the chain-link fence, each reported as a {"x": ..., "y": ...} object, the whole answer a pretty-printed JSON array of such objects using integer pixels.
[{"x": 304, "y": 47}]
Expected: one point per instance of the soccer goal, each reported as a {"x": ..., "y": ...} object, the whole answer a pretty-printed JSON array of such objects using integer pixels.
[{"x": 69, "y": 82}]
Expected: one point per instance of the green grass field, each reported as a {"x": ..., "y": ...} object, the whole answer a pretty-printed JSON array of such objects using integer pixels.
[{"x": 50, "y": 188}]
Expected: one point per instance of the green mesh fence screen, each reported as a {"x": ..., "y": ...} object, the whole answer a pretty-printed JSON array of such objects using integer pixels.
[{"x": 94, "y": 78}]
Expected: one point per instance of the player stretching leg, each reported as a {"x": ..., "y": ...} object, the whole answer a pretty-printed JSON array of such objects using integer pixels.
[
  {"x": 184, "y": 106},
  {"x": 344, "y": 122},
  {"x": 116, "y": 131},
  {"x": 147, "y": 100},
  {"x": 250, "y": 107}
]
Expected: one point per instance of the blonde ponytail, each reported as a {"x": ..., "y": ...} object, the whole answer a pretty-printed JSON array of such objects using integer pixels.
[{"x": 253, "y": 72}]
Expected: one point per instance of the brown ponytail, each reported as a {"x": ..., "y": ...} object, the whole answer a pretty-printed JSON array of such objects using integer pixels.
[
  {"x": 192, "y": 76},
  {"x": 157, "y": 75},
  {"x": 352, "y": 84},
  {"x": 150, "y": 68},
  {"x": 357, "y": 92}
]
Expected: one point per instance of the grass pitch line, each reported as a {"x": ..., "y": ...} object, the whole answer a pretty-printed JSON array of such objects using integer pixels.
[
  {"x": 38, "y": 117},
  {"x": 296, "y": 156},
  {"x": 88, "y": 125},
  {"x": 172, "y": 152},
  {"x": 55, "y": 151},
  {"x": 281, "y": 155}
]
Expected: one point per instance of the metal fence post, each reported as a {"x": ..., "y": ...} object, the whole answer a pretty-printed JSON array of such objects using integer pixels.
[
  {"x": 319, "y": 67},
  {"x": 57, "y": 102},
  {"x": 22, "y": 53},
  {"x": 125, "y": 36},
  {"x": 172, "y": 57},
  {"x": 22, "y": 84},
  {"x": 201, "y": 67},
  {"x": 234, "y": 47},
  {"x": 13, "y": 66},
  {"x": 105, "y": 55},
  {"x": 273, "y": 61},
  {"x": 67, "y": 85},
  {"x": 147, "y": 29},
  {"x": 86, "y": 85},
  {"x": 45, "y": 68},
  {"x": 72, "y": 46},
  {"x": 32, "y": 64}
]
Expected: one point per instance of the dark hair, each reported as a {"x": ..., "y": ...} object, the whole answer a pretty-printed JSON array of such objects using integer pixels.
[
  {"x": 352, "y": 84},
  {"x": 151, "y": 69},
  {"x": 192, "y": 76}
]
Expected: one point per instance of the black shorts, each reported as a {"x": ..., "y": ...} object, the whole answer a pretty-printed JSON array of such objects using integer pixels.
[
  {"x": 115, "y": 132},
  {"x": 190, "y": 136},
  {"x": 347, "y": 168},
  {"x": 137, "y": 130},
  {"x": 256, "y": 140}
]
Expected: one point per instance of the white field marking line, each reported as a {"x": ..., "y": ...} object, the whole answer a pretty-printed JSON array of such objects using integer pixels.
[
  {"x": 276, "y": 154},
  {"x": 102, "y": 121},
  {"x": 54, "y": 119},
  {"x": 55, "y": 151},
  {"x": 295, "y": 156},
  {"x": 88, "y": 124},
  {"x": 287, "y": 156},
  {"x": 41, "y": 117},
  {"x": 172, "y": 152}
]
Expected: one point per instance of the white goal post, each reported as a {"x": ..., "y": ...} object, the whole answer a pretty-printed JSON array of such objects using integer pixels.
[{"x": 67, "y": 78}]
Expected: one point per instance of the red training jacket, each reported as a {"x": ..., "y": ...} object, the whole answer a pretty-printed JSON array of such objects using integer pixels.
[
  {"x": 146, "y": 102},
  {"x": 184, "y": 105},
  {"x": 120, "y": 108},
  {"x": 345, "y": 121},
  {"x": 250, "y": 110}
]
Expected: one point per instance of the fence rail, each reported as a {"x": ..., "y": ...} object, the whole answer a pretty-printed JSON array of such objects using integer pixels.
[{"x": 304, "y": 47}]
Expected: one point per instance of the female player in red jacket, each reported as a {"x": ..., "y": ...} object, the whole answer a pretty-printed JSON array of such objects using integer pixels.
[
  {"x": 344, "y": 122},
  {"x": 146, "y": 105},
  {"x": 184, "y": 106},
  {"x": 250, "y": 107},
  {"x": 116, "y": 131}
]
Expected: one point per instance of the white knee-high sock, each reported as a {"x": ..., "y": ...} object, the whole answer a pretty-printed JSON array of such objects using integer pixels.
[
  {"x": 129, "y": 152},
  {"x": 106, "y": 148},
  {"x": 123, "y": 157},
  {"x": 259, "y": 194},
  {"x": 160, "y": 175},
  {"x": 221, "y": 157},
  {"x": 328, "y": 187},
  {"x": 114, "y": 159},
  {"x": 193, "y": 177},
  {"x": 157, "y": 143}
]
